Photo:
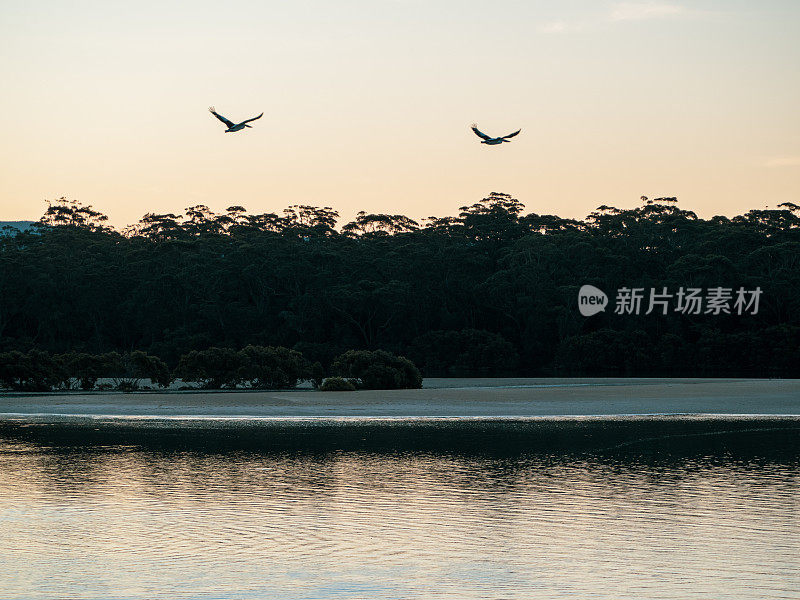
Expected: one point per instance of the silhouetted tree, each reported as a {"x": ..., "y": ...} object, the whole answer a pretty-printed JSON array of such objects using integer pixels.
[
  {"x": 71, "y": 213},
  {"x": 378, "y": 370}
]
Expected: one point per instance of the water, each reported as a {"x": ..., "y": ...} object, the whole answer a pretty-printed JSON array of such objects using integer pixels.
[{"x": 548, "y": 508}]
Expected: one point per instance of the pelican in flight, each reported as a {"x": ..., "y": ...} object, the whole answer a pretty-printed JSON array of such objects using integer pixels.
[
  {"x": 492, "y": 141},
  {"x": 231, "y": 126}
]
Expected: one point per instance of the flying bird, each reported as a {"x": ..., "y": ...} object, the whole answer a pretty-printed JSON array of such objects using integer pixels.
[
  {"x": 492, "y": 141},
  {"x": 231, "y": 126}
]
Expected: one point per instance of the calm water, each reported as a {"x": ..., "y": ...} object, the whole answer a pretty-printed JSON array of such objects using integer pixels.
[{"x": 654, "y": 508}]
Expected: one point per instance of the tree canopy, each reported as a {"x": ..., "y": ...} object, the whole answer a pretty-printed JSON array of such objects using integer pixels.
[{"x": 492, "y": 279}]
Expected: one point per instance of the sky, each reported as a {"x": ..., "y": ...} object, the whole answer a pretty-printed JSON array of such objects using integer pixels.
[{"x": 367, "y": 104}]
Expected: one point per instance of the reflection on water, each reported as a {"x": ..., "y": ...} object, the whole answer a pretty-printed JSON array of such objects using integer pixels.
[{"x": 651, "y": 509}]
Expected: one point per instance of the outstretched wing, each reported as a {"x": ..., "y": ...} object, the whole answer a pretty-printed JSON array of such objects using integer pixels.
[
  {"x": 220, "y": 117},
  {"x": 479, "y": 133},
  {"x": 505, "y": 137},
  {"x": 253, "y": 119}
]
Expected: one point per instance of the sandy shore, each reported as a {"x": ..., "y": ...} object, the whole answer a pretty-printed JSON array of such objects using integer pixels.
[{"x": 442, "y": 398}]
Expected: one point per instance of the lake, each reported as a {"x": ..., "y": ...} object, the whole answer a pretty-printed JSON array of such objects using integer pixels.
[{"x": 655, "y": 507}]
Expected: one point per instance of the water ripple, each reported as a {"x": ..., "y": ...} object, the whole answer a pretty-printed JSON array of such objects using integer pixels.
[{"x": 131, "y": 522}]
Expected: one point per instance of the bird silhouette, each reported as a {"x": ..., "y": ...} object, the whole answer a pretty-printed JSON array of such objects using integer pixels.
[
  {"x": 231, "y": 126},
  {"x": 492, "y": 141}
]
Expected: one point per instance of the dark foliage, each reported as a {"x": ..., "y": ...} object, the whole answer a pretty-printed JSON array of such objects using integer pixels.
[
  {"x": 35, "y": 371},
  {"x": 39, "y": 371},
  {"x": 273, "y": 368},
  {"x": 465, "y": 353},
  {"x": 86, "y": 368},
  {"x": 214, "y": 369},
  {"x": 377, "y": 370},
  {"x": 256, "y": 367},
  {"x": 337, "y": 384},
  {"x": 129, "y": 368},
  {"x": 177, "y": 284}
]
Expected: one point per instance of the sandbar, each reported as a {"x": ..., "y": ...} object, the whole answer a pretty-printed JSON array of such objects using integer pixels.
[{"x": 516, "y": 397}]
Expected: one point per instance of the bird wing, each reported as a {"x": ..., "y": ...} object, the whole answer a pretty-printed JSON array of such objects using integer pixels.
[
  {"x": 479, "y": 133},
  {"x": 220, "y": 117},
  {"x": 253, "y": 119},
  {"x": 505, "y": 137}
]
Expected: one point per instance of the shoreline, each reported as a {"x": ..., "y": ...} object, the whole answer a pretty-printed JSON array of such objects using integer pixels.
[{"x": 439, "y": 398}]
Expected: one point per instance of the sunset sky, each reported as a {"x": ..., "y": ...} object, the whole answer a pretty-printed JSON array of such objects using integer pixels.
[{"x": 368, "y": 104}]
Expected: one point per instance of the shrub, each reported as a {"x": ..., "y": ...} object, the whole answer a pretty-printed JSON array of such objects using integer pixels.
[
  {"x": 129, "y": 368},
  {"x": 38, "y": 371},
  {"x": 273, "y": 367},
  {"x": 84, "y": 367},
  {"x": 260, "y": 367},
  {"x": 88, "y": 368},
  {"x": 35, "y": 371},
  {"x": 377, "y": 370},
  {"x": 214, "y": 368},
  {"x": 337, "y": 384}
]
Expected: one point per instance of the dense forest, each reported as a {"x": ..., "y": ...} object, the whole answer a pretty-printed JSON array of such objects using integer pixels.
[{"x": 490, "y": 292}]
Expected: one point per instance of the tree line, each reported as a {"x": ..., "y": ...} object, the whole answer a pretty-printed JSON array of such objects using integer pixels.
[
  {"x": 489, "y": 292},
  {"x": 252, "y": 367}
]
